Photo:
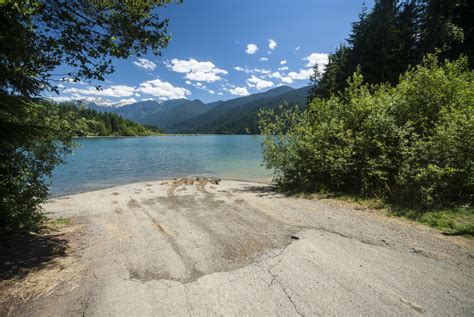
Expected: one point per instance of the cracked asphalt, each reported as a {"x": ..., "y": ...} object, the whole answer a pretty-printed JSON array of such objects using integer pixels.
[{"x": 199, "y": 247}]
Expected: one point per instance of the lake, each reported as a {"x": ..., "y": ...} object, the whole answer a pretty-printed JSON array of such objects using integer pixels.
[{"x": 105, "y": 162}]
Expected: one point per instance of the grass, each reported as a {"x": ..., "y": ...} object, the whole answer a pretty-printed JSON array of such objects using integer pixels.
[{"x": 450, "y": 221}]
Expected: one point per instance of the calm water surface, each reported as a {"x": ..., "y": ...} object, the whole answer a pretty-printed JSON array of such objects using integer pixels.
[{"x": 105, "y": 162}]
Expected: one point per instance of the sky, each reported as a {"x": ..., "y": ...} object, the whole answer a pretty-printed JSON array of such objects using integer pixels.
[{"x": 223, "y": 49}]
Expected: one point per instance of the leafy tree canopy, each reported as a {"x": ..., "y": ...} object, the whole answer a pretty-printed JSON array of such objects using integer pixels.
[{"x": 37, "y": 36}]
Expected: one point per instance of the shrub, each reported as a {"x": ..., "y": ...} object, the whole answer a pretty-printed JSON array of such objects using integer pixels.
[{"x": 412, "y": 143}]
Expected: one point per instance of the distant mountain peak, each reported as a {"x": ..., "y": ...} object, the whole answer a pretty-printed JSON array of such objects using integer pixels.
[{"x": 194, "y": 116}]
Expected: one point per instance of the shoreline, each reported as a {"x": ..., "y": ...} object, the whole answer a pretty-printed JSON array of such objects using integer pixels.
[{"x": 259, "y": 181}]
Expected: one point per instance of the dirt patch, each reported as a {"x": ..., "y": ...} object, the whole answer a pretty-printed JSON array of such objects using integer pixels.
[
  {"x": 200, "y": 183},
  {"x": 144, "y": 275},
  {"x": 132, "y": 203}
]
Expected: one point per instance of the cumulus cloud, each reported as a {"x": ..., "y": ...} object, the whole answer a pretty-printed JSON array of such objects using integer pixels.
[
  {"x": 199, "y": 85},
  {"x": 272, "y": 44},
  {"x": 319, "y": 59},
  {"x": 112, "y": 91},
  {"x": 261, "y": 71},
  {"x": 239, "y": 69},
  {"x": 283, "y": 62},
  {"x": 145, "y": 64},
  {"x": 251, "y": 49},
  {"x": 124, "y": 102},
  {"x": 163, "y": 90},
  {"x": 61, "y": 98},
  {"x": 197, "y": 71},
  {"x": 157, "y": 88},
  {"x": 283, "y": 68},
  {"x": 259, "y": 83},
  {"x": 239, "y": 91},
  {"x": 94, "y": 99},
  {"x": 301, "y": 75},
  {"x": 297, "y": 48},
  {"x": 276, "y": 75},
  {"x": 263, "y": 59}
]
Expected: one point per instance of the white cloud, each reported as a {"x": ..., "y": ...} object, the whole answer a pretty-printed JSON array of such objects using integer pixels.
[
  {"x": 301, "y": 75},
  {"x": 220, "y": 94},
  {"x": 239, "y": 91},
  {"x": 272, "y": 44},
  {"x": 251, "y": 49},
  {"x": 283, "y": 68},
  {"x": 123, "y": 102},
  {"x": 112, "y": 91},
  {"x": 188, "y": 82},
  {"x": 61, "y": 98},
  {"x": 283, "y": 62},
  {"x": 145, "y": 64},
  {"x": 259, "y": 83},
  {"x": 319, "y": 59},
  {"x": 197, "y": 71},
  {"x": 297, "y": 48},
  {"x": 94, "y": 99},
  {"x": 239, "y": 69},
  {"x": 72, "y": 81},
  {"x": 276, "y": 75},
  {"x": 212, "y": 92},
  {"x": 261, "y": 71},
  {"x": 163, "y": 90},
  {"x": 263, "y": 59}
]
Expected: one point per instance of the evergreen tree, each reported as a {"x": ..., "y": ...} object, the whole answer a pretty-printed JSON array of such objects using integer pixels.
[{"x": 394, "y": 35}]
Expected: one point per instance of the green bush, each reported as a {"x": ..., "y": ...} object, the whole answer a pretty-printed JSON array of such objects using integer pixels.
[
  {"x": 26, "y": 162},
  {"x": 412, "y": 143}
]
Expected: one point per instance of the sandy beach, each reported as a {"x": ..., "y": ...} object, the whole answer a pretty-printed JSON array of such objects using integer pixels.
[{"x": 199, "y": 247}]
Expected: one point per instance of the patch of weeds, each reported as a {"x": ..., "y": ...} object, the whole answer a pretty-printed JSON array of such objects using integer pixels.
[
  {"x": 59, "y": 223},
  {"x": 452, "y": 221}
]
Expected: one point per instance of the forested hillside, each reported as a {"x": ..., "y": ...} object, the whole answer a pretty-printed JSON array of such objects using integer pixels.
[
  {"x": 235, "y": 116},
  {"x": 89, "y": 122},
  {"x": 165, "y": 114},
  {"x": 240, "y": 115}
]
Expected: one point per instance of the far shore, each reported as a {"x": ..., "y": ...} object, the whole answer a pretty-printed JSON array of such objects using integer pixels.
[{"x": 155, "y": 135}]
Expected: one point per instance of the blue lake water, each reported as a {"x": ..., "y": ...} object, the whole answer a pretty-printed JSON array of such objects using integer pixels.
[{"x": 105, "y": 162}]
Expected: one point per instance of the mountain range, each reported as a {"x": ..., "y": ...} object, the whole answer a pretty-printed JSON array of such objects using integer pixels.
[{"x": 235, "y": 116}]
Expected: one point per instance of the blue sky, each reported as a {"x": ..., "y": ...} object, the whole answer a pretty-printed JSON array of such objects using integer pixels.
[{"x": 222, "y": 49}]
